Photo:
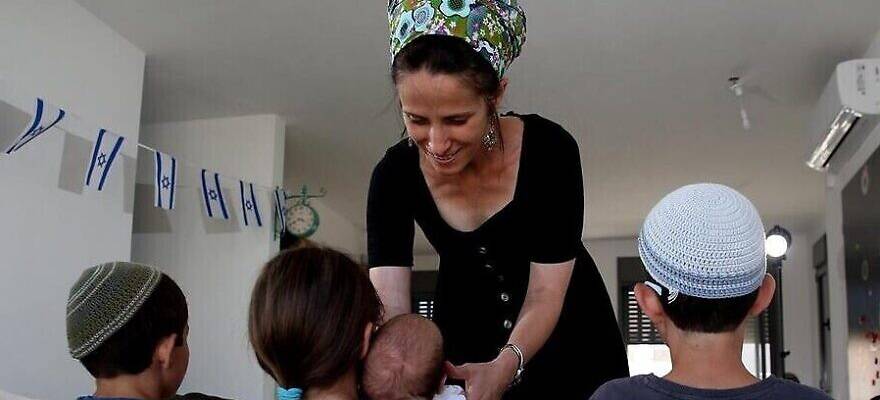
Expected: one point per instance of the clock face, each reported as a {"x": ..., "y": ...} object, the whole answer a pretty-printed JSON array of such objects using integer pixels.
[{"x": 302, "y": 220}]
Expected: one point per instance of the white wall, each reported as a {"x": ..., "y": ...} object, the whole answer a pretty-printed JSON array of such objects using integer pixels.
[
  {"x": 335, "y": 230},
  {"x": 848, "y": 358},
  {"x": 426, "y": 262},
  {"x": 605, "y": 253},
  {"x": 51, "y": 231},
  {"x": 214, "y": 261}
]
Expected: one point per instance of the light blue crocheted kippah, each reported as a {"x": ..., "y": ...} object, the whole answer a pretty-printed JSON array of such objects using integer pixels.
[{"x": 704, "y": 240}]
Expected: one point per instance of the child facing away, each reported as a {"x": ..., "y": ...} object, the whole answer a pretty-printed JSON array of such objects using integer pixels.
[
  {"x": 703, "y": 248},
  {"x": 127, "y": 325},
  {"x": 311, "y": 317}
]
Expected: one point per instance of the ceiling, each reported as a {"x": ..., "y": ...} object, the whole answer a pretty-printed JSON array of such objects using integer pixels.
[{"x": 641, "y": 85}]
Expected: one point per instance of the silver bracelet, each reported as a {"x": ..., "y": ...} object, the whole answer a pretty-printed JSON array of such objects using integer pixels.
[{"x": 519, "y": 355}]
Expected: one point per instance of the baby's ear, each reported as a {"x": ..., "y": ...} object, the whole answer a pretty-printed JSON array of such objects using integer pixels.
[{"x": 368, "y": 334}]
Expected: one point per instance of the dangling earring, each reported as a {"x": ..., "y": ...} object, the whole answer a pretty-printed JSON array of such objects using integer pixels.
[
  {"x": 410, "y": 141},
  {"x": 490, "y": 139}
]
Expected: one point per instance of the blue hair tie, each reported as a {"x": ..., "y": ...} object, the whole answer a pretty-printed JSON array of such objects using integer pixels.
[{"x": 289, "y": 394}]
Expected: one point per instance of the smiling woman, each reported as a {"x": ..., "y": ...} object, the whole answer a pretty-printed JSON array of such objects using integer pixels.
[{"x": 514, "y": 274}]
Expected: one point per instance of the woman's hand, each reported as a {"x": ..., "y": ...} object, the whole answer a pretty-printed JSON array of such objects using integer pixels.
[{"x": 486, "y": 381}]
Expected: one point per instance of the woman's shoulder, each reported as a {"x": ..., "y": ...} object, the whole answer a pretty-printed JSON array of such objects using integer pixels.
[
  {"x": 395, "y": 158},
  {"x": 398, "y": 150},
  {"x": 544, "y": 133}
]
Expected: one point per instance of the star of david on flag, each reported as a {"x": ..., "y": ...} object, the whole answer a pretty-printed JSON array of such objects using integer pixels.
[
  {"x": 250, "y": 211},
  {"x": 45, "y": 117},
  {"x": 165, "y": 181},
  {"x": 215, "y": 205},
  {"x": 107, "y": 147}
]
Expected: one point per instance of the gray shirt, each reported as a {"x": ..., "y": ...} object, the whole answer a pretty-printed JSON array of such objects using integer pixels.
[{"x": 650, "y": 387}]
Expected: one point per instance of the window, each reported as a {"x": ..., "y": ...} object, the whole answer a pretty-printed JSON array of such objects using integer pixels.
[
  {"x": 425, "y": 308},
  {"x": 424, "y": 285}
]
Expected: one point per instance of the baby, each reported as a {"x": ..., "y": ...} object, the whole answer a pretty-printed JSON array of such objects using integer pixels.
[{"x": 405, "y": 362}]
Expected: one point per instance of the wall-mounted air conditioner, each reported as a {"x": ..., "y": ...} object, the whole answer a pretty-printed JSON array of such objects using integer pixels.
[{"x": 849, "y": 106}]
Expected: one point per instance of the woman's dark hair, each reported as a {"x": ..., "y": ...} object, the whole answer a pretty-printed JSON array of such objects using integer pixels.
[
  {"x": 308, "y": 312},
  {"x": 130, "y": 350},
  {"x": 440, "y": 54}
]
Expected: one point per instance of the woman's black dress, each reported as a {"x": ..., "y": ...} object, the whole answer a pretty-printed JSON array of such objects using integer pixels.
[{"x": 484, "y": 273}]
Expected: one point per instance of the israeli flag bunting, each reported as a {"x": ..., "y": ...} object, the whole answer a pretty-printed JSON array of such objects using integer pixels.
[
  {"x": 165, "y": 182},
  {"x": 107, "y": 146},
  {"x": 215, "y": 206},
  {"x": 249, "y": 208},
  {"x": 279, "y": 208},
  {"x": 45, "y": 117}
]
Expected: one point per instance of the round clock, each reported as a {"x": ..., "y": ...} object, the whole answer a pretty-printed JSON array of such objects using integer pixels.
[{"x": 302, "y": 220}]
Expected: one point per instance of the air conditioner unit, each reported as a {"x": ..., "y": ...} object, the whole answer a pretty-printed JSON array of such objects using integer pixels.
[{"x": 849, "y": 107}]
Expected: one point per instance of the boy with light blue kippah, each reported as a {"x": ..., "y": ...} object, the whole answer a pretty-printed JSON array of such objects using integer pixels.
[{"x": 703, "y": 248}]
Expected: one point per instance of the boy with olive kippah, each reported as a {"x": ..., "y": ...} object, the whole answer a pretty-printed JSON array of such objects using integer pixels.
[{"x": 127, "y": 324}]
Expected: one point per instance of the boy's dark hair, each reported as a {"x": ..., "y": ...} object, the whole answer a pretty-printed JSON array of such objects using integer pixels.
[
  {"x": 129, "y": 351},
  {"x": 694, "y": 314}
]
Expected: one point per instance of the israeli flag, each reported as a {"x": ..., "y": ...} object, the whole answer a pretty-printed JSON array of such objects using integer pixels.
[
  {"x": 249, "y": 208},
  {"x": 215, "y": 206},
  {"x": 45, "y": 117},
  {"x": 279, "y": 208},
  {"x": 106, "y": 148},
  {"x": 165, "y": 182}
]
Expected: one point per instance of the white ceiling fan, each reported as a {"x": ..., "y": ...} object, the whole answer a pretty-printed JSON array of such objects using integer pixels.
[{"x": 737, "y": 85}]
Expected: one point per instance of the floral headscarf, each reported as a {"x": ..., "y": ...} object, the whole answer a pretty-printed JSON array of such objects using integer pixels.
[{"x": 496, "y": 29}]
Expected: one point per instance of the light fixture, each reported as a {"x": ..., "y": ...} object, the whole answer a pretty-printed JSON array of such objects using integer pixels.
[
  {"x": 777, "y": 242},
  {"x": 840, "y": 127}
]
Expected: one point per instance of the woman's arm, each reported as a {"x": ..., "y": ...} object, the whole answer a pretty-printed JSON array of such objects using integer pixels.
[
  {"x": 390, "y": 232},
  {"x": 393, "y": 286},
  {"x": 545, "y": 295}
]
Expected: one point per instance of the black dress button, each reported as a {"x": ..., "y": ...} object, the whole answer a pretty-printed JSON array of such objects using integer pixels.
[
  {"x": 482, "y": 250},
  {"x": 508, "y": 324},
  {"x": 505, "y": 297}
]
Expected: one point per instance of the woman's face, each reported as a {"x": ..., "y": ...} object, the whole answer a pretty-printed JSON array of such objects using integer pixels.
[{"x": 446, "y": 118}]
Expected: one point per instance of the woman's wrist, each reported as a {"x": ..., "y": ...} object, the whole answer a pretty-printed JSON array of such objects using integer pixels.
[{"x": 509, "y": 359}]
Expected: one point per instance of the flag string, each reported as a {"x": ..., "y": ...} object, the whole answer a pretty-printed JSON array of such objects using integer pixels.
[{"x": 72, "y": 122}]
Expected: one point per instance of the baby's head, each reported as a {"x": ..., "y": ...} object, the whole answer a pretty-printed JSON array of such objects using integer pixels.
[{"x": 405, "y": 360}]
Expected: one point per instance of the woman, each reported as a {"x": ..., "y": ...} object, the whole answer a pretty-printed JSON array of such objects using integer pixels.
[
  {"x": 500, "y": 199},
  {"x": 312, "y": 313}
]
